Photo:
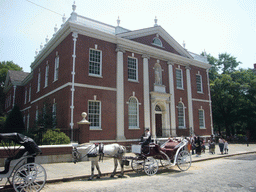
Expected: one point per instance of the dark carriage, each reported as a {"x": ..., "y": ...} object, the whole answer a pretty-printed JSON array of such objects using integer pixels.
[
  {"x": 172, "y": 152},
  {"x": 20, "y": 168}
]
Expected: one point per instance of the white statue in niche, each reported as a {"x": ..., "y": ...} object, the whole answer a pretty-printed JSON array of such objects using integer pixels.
[{"x": 158, "y": 75}]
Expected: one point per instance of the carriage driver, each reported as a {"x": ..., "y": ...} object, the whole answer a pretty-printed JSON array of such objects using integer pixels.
[{"x": 146, "y": 138}]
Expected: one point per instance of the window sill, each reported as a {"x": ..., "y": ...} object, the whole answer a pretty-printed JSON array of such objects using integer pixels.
[
  {"x": 133, "y": 81},
  {"x": 182, "y": 128},
  {"x": 55, "y": 81},
  {"x": 95, "y": 129},
  {"x": 134, "y": 128},
  {"x": 182, "y": 89},
  {"x": 202, "y": 127},
  {"x": 200, "y": 92},
  {"x": 93, "y": 75}
]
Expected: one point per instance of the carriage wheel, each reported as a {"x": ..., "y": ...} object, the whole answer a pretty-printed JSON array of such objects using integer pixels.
[
  {"x": 184, "y": 160},
  {"x": 150, "y": 166},
  {"x": 29, "y": 177},
  {"x": 137, "y": 165},
  {"x": 165, "y": 160}
]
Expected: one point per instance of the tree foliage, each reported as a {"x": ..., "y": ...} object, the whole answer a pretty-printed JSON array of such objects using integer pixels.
[
  {"x": 233, "y": 94},
  {"x": 14, "y": 121}
]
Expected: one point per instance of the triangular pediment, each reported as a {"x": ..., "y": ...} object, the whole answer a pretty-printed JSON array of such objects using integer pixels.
[{"x": 151, "y": 37}]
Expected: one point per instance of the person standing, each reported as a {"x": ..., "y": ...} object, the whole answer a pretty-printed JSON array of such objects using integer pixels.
[
  {"x": 225, "y": 147},
  {"x": 198, "y": 143},
  {"x": 221, "y": 145}
]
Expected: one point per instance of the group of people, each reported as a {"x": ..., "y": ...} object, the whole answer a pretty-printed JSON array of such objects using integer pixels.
[{"x": 197, "y": 145}]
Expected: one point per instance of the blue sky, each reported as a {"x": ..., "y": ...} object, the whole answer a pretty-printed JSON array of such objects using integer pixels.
[{"x": 217, "y": 26}]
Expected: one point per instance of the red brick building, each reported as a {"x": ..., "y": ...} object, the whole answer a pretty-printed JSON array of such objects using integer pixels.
[{"x": 125, "y": 80}]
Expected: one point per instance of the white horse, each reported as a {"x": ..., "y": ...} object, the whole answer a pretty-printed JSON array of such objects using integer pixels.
[{"x": 96, "y": 152}]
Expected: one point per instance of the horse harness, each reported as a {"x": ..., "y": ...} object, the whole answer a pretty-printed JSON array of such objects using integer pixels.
[{"x": 93, "y": 151}]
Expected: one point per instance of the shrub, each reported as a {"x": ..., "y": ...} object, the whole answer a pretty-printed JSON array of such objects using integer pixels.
[{"x": 54, "y": 137}]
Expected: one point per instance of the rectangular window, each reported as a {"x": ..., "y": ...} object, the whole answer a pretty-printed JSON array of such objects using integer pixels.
[
  {"x": 94, "y": 114},
  {"x": 201, "y": 119},
  {"x": 46, "y": 75},
  {"x": 199, "y": 83},
  {"x": 27, "y": 122},
  {"x": 25, "y": 96},
  {"x": 179, "y": 79},
  {"x": 132, "y": 69},
  {"x": 38, "y": 81},
  {"x": 37, "y": 113},
  {"x": 56, "y": 69},
  {"x": 54, "y": 112},
  {"x": 29, "y": 93},
  {"x": 95, "y": 62}
]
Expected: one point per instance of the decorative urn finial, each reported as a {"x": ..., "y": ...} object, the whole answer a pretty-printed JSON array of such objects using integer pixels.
[
  {"x": 64, "y": 18},
  {"x": 155, "y": 22},
  {"x": 118, "y": 21},
  {"x": 74, "y": 6}
]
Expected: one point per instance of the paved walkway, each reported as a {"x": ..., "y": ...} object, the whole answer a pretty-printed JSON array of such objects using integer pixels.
[{"x": 69, "y": 171}]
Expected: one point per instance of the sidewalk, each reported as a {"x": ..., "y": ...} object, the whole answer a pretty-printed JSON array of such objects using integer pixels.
[{"x": 70, "y": 171}]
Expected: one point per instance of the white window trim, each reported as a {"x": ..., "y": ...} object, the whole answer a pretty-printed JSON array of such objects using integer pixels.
[
  {"x": 138, "y": 115},
  {"x": 56, "y": 68},
  {"x": 29, "y": 93},
  {"x": 92, "y": 74},
  {"x": 38, "y": 81},
  {"x": 157, "y": 44},
  {"x": 94, "y": 127},
  {"x": 182, "y": 86},
  {"x": 137, "y": 76},
  {"x": 201, "y": 83},
  {"x": 184, "y": 115},
  {"x": 202, "y": 119},
  {"x": 25, "y": 100},
  {"x": 46, "y": 79}
]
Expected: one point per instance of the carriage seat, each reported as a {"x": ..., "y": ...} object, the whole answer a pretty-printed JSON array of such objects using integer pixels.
[
  {"x": 9, "y": 159},
  {"x": 170, "y": 145}
]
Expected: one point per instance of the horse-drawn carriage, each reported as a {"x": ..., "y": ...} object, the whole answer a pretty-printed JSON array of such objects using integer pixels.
[
  {"x": 20, "y": 168},
  {"x": 172, "y": 152}
]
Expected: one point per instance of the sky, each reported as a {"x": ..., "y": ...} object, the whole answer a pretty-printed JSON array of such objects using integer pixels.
[{"x": 216, "y": 26}]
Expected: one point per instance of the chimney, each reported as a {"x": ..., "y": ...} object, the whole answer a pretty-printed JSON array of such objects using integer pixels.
[{"x": 254, "y": 65}]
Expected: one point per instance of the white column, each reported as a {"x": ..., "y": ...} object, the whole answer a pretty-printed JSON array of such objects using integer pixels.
[
  {"x": 146, "y": 91},
  {"x": 210, "y": 103},
  {"x": 190, "y": 107},
  {"x": 120, "y": 95},
  {"x": 75, "y": 35},
  {"x": 172, "y": 101}
]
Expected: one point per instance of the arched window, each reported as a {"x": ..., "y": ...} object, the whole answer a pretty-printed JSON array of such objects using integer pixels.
[
  {"x": 158, "y": 108},
  {"x": 157, "y": 41},
  {"x": 181, "y": 115},
  {"x": 133, "y": 113}
]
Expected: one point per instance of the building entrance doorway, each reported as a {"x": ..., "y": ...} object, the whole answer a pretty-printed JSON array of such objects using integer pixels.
[{"x": 159, "y": 125}]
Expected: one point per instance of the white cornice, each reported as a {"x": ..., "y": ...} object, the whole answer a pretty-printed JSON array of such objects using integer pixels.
[{"x": 122, "y": 41}]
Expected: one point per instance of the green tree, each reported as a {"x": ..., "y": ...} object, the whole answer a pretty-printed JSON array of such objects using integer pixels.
[
  {"x": 14, "y": 121},
  {"x": 4, "y": 67}
]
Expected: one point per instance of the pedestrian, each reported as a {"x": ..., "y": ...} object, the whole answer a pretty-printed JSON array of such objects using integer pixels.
[
  {"x": 225, "y": 147},
  {"x": 198, "y": 144},
  {"x": 212, "y": 146},
  {"x": 203, "y": 146},
  {"x": 221, "y": 145},
  {"x": 189, "y": 144}
]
